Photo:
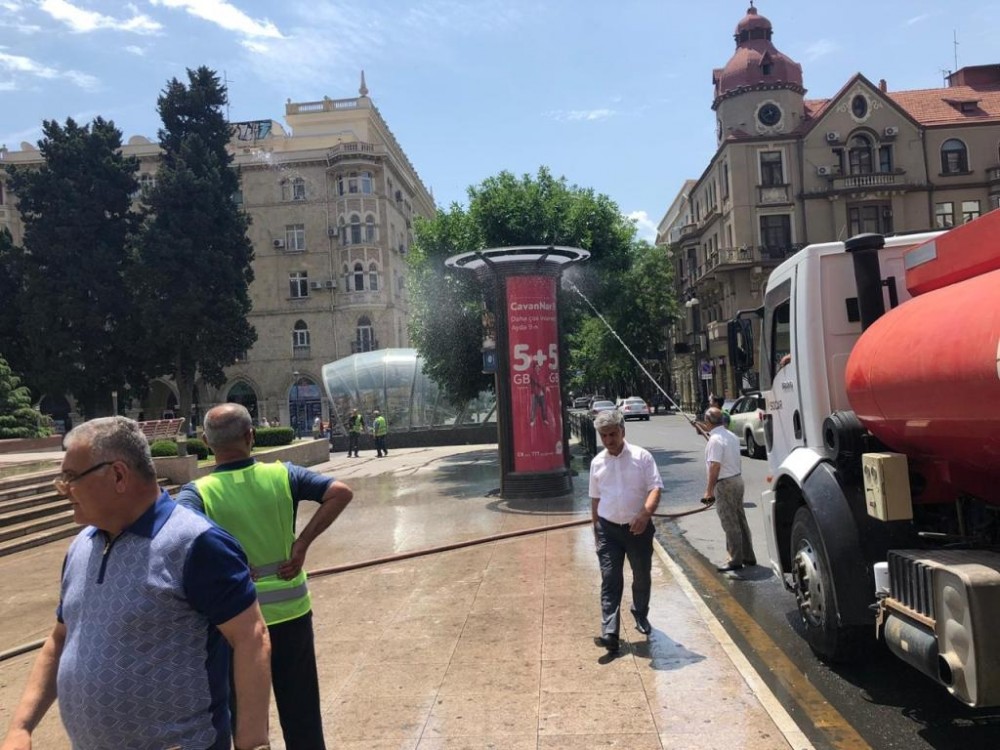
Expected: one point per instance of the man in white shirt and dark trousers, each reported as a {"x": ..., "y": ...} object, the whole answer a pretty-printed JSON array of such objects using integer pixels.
[
  {"x": 624, "y": 492},
  {"x": 725, "y": 486}
]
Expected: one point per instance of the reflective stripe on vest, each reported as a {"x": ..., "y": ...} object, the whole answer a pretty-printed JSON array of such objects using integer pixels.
[{"x": 255, "y": 505}]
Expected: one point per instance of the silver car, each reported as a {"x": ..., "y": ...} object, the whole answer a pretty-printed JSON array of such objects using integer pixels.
[{"x": 746, "y": 419}]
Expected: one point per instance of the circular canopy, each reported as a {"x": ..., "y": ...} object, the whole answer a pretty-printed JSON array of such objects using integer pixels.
[{"x": 477, "y": 259}]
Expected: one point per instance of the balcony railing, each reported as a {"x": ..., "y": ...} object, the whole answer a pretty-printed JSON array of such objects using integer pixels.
[
  {"x": 729, "y": 258},
  {"x": 993, "y": 176}
]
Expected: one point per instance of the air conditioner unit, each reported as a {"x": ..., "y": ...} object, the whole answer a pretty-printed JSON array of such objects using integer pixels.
[
  {"x": 832, "y": 137},
  {"x": 891, "y": 131},
  {"x": 315, "y": 284},
  {"x": 278, "y": 243},
  {"x": 330, "y": 284},
  {"x": 824, "y": 171}
]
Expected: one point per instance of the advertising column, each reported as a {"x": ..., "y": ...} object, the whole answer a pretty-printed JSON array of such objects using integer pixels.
[{"x": 533, "y": 361}]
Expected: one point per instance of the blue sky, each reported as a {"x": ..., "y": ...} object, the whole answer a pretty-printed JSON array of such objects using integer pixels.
[{"x": 615, "y": 96}]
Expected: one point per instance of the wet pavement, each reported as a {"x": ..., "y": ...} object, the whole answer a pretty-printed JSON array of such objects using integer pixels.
[{"x": 488, "y": 646}]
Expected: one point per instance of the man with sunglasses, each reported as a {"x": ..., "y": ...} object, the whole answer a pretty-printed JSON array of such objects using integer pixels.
[{"x": 151, "y": 592}]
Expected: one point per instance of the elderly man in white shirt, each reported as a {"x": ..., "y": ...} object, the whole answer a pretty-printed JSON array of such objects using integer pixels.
[
  {"x": 725, "y": 486},
  {"x": 624, "y": 492}
]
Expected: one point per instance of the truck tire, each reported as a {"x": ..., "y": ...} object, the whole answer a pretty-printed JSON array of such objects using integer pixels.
[
  {"x": 754, "y": 450},
  {"x": 815, "y": 596}
]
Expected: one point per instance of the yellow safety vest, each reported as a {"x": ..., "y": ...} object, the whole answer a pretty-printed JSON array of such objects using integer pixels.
[{"x": 255, "y": 505}]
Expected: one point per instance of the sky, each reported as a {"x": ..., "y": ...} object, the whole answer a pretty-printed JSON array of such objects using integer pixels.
[{"x": 613, "y": 95}]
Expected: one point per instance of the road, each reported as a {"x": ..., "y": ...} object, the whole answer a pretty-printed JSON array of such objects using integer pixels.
[{"x": 887, "y": 703}]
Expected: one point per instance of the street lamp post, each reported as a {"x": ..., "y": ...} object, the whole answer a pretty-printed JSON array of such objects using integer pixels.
[
  {"x": 295, "y": 403},
  {"x": 701, "y": 386},
  {"x": 114, "y": 403}
]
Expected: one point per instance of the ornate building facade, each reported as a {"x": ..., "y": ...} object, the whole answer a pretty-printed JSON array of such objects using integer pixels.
[
  {"x": 789, "y": 171},
  {"x": 332, "y": 200}
]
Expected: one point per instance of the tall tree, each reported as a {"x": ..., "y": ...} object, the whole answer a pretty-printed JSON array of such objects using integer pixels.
[
  {"x": 73, "y": 301},
  {"x": 194, "y": 251},
  {"x": 505, "y": 210},
  {"x": 11, "y": 281}
]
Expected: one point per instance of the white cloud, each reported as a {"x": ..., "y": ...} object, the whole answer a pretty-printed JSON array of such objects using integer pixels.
[
  {"x": 918, "y": 19},
  {"x": 83, "y": 21},
  {"x": 820, "y": 48},
  {"x": 586, "y": 115},
  {"x": 134, "y": 50},
  {"x": 225, "y": 15},
  {"x": 645, "y": 226},
  {"x": 16, "y": 65}
]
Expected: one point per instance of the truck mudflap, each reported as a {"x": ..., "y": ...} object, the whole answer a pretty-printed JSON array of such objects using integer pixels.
[
  {"x": 941, "y": 617},
  {"x": 849, "y": 571}
]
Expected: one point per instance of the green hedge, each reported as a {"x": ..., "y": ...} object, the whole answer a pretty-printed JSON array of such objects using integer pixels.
[
  {"x": 199, "y": 448},
  {"x": 267, "y": 437},
  {"x": 163, "y": 448}
]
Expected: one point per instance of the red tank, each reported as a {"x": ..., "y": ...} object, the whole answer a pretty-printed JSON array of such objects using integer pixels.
[{"x": 925, "y": 377}]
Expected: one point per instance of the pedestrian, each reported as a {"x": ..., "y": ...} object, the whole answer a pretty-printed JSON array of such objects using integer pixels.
[
  {"x": 135, "y": 656},
  {"x": 317, "y": 428},
  {"x": 258, "y": 503},
  {"x": 725, "y": 487},
  {"x": 703, "y": 427},
  {"x": 380, "y": 428},
  {"x": 355, "y": 428},
  {"x": 625, "y": 490}
]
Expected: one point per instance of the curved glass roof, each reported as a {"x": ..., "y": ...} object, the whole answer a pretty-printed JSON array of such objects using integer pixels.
[{"x": 393, "y": 381}]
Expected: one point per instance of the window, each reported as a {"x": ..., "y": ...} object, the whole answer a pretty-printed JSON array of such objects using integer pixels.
[
  {"x": 885, "y": 158},
  {"x": 873, "y": 217},
  {"x": 725, "y": 180},
  {"x": 1, "y": 193},
  {"x": 860, "y": 155},
  {"x": 365, "y": 335},
  {"x": 859, "y": 106},
  {"x": 146, "y": 183},
  {"x": 298, "y": 189},
  {"x": 366, "y": 183},
  {"x": 340, "y": 184},
  {"x": 970, "y": 211},
  {"x": 944, "y": 215},
  {"x": 237, "y": 198},
  {"x": 775, "y": 234},
  {"x": 352, "y": 182},
  {"x": 370, "y": 229},
  {"x": 343, "y": 231},
  {"x": 359, "y": 277},
  {"x": 300, "y": 335},
  {"x": 295, "y": 238},
  {"x": 771, "y": 173},
  {"x": 298, "y": 284},
  {"x": 954, "y": 157},
  {"x": 373, "y": 277},
  {"x": 355, "y": 230},
  {"x": 776, "y": 331}
]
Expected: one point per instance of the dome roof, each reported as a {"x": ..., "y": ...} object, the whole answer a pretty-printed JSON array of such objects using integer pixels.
[{"x": 756, "y": 62}]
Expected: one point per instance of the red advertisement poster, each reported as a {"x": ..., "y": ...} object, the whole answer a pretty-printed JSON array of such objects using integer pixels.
[{"x": 534, "y": 373}]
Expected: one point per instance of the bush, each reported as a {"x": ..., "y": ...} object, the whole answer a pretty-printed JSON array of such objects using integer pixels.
[
  {"x": 267, "y": 437},
  {"x": 163, "y": 448},
  {"x": 199, "y": 448}
]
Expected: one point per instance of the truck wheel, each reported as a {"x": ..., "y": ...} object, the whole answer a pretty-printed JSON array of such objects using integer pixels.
[
  {"x": 815, "y": 596},
  {"x": 754, "y": 450}
]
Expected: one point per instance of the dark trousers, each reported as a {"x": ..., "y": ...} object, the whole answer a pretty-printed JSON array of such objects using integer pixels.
[
  {"x": 352, "y": 442},
  {"x": 614, "y": 543},
  {"x": 380, "y": 445},
  {"x": 295, "y": 684}
]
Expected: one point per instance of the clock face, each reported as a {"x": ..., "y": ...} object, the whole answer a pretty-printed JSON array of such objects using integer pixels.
[{"x": 769, "y": 114}]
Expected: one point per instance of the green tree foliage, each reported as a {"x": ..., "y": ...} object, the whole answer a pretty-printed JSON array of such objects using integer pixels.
[
  {"x": 11, "y": 284},
  {"x": 194, "y": 252},
  {"x": 17, "y": 418},
  {"x": 72, "y": 301},
  {"x": 505, "y": 210}
]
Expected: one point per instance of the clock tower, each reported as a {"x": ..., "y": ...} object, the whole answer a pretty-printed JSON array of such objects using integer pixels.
[{"x": 760, "y": 91}]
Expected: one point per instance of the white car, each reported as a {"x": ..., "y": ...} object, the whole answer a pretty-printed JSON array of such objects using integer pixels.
[
  {"x": 633, "y": 407},
  {"x": 746, "y": 419}
]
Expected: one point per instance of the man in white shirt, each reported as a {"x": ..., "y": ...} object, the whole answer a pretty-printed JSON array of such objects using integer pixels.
[
  {"x": 725, "y": 486},
  {"x": 624, "y": 492}
]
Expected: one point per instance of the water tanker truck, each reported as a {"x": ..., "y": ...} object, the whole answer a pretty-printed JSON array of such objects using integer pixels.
[{"x": 880, "y": 365}]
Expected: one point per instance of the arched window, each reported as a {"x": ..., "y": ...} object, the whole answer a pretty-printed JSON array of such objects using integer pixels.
[
  {"x": 366, "y": 183},
  {"x": 359, "y": 277},
  {"x": 365, "y": 340},
  {"x": 343, "y": 231},
  {"x": 370, "y": 229},
  {"x": 298, "y": 189},
  {"x": 860, "y": 155},
  {"x": 373, "y": 277},
  {"x": 355, "y": 229},
  {"x": 300, "y": 335},
  {"x": 954, "y": 157}
]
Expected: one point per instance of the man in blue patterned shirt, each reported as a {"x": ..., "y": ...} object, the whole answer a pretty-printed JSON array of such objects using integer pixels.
[{"x": 151, "y": 594}]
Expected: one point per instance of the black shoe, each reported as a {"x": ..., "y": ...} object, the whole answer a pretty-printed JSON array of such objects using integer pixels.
[
  {"x": 729, "y": 566},
  {"x": 750, "y": 564},
  {"x": 609, "y": 642},
  {"x": 642, "y": 624}
]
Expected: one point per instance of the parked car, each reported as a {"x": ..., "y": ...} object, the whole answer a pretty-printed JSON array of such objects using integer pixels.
[
  {"x": 598, "y": 406},
  {"x": 581, "y": 402},
  {"x": 633, "y": 407},
  {"x": 747, "y": 422}
]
